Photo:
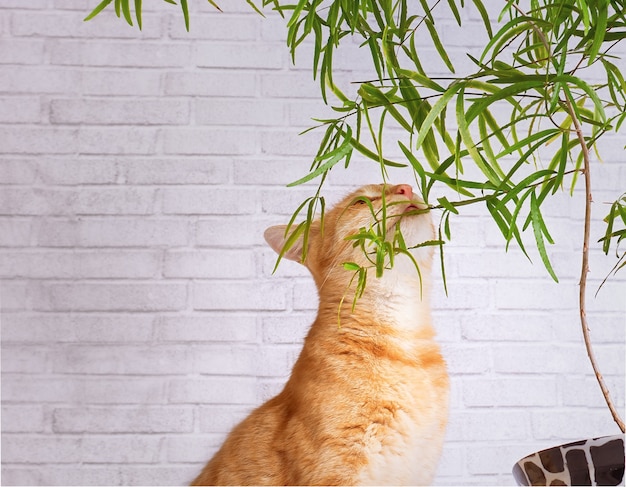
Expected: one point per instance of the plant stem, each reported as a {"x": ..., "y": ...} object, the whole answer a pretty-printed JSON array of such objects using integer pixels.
[{"x": 585, "y": 268}]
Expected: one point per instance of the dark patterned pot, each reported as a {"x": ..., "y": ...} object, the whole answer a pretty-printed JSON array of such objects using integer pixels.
[{"x": 598, "y": 461}]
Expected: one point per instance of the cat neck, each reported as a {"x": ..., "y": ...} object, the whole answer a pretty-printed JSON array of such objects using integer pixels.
[{"x": 398, "y": 300}]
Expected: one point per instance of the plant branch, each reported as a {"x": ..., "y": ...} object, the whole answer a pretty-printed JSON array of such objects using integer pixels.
[{"x": 585, "y": 268}]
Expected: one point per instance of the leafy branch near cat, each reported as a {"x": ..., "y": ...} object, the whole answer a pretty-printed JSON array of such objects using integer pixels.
[{"x": 533, "y": 66}]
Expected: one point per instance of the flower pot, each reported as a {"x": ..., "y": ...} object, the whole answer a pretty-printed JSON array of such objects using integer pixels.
[{"x": 597, "y": 461}]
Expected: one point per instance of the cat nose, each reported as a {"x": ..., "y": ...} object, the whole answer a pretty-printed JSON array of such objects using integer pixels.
[{"x": 405, "y": 190}]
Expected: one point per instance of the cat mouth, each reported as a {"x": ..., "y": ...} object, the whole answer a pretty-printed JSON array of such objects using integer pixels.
[{"x": 414, "y": 209}]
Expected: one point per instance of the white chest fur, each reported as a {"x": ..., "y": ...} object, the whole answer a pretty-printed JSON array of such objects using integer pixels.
[{"x": 407, "y": 451}]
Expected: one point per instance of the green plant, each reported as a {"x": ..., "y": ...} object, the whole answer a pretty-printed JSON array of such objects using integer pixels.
[{"x": 551, "y": 114}]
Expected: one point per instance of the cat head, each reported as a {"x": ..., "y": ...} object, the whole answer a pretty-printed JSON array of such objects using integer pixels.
[{"x": 329, "y": 247}]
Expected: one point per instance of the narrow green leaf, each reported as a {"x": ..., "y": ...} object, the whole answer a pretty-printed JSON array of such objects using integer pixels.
[
  {"x": 183, "y": 5},
  {"x": 437, "y": 108},
  {"x": 539, "y": 230},
  {"x": 99, "y": 8},
  {"x": 289, "y": 242},
  {"x": 484, "y": 15},
  {"x": 126, "y": 12},
  {"x": 455, "y": 11},
  {"x": 255, "y": 8},
  {"x": 138, "y": 13},
  {"x": 443, "y": 201},
  {"x": 217, "y": 7},
  {"x": 419, "y": 170},
  {"x": 333, "y": 158},
  {"x": 351, "y": 266},
  {"x": 464, "y": 132},
  {"x": 438, "y": 45}
]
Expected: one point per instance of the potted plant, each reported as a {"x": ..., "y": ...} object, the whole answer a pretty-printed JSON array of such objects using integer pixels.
[{"x": 519, "y": 126}]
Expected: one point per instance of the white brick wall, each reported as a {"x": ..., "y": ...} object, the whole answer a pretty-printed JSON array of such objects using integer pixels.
[{"x": 140, "y": 320}]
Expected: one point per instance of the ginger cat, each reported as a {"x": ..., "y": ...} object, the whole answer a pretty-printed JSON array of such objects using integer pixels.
[{"x": 367, "y": 401}]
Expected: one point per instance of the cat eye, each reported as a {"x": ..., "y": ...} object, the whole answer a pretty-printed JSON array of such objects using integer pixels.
[{"x": 364, "y": 200}]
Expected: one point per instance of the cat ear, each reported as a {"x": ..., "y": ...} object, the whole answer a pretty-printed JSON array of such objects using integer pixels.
[{"x": 275, "y": 237}]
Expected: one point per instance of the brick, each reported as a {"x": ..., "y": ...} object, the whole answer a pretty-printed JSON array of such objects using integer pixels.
[
  {"x": 270, "y": 388},
  {"x": 510, "y": 391},
  {"x": 209, "y": 141},
  {"x": 286, "y": 268},
  {"x": 175, "y": 171},
  {"x": 490, "y": 425},
  {"x": 512, "y": 327},
  {"x": 128, "y": 449},
  {"x": 240, "y": 112},
  {"x": 16, "y": 294},
  {"x": 22, "y": 476},
  {"x": 129, "y": 140},
  {"x": 17, "y": 4},
  {"x": 492, "y": 459},
  {"x": 38, "y": 80},
  {"x": 211, "y": 83},
  {"x": 86, "y": 201},
  {"x": 20, "y": 110},
  {"x": 206, "y": 264},
  {"x": 584, "y": 391},
  {"x": 467, "y": 359},
  {"x": 289, "y": 85},
  {"x": 22, "y": 51},
  {"x": 195, "y": 448},
  {"x": 114, "y": 359},
  {"x": 269, "y": 172},
  {"x": 114, "y": 297},
  {"x": 62, "y": 171},
  {"x": 27, "y": 360},
  {"x": 119, "y": 112},
  {"x": 40, "y": 449},
  {"x": 305, "y": 295},
  {"x": 220, "y": 360},
  {"x": 50, "y": 474},
  {"x": 557, "y": 425},
  {"x": 35, "y": 140},
  {"x": 15, "y": 389},
  {"x": 15, "y": 232},
  {"x": 209, "y": 328},
  {"x": 277, "y": 361},
  {"x": 55, "y": 264},
  {"x": 70, "y": 25},
  {"x": 535, "y": 295},
  {"x": 119, "y": 54},
  {"x": 221, "y": 419},
  {"x": 123, "y": 420},
  {"x": 158, "y": 475},
  {"x": 245, "y": 295},
  {"x": 286, "y": 329},
  {"x": 285, "y": 202},
  {"x": 113, "y": 232},
  {"x": 85, "y": 328},
  {"x": 242, "y": 56},
  {"x": 230, "y": 232},
  {"x": 125, "y": 390},
  {"x": 17, "y": 171},
  {"x": 120, "y": 82},
  {"x": 205, "y": 201},
  {"x": 216, "y": 27},
  {"x": 290, "y": 143},
  {"x": 28, "y": 419},
  {"x": 540, "y": 358},
  {"x": 213, "y": 390}
]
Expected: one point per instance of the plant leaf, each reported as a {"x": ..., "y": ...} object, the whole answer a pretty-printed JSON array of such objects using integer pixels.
[{"x": 99, "y": 8}]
